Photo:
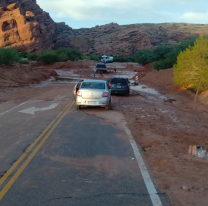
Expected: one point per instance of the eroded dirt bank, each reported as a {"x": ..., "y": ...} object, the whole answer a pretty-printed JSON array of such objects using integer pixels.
[{"x": 163, "y": 124}]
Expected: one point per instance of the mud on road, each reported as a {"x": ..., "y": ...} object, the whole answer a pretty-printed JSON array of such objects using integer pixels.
[{"x": 164, "y": 126}]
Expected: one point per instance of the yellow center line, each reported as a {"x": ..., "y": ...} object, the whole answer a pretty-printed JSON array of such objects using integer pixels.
[
  {"x": 13, "y": 167},
  {"x": 27, "y": 161}
]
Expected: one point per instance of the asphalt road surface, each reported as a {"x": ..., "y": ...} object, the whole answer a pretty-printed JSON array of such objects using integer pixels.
[{"x": 52, "y": 154}]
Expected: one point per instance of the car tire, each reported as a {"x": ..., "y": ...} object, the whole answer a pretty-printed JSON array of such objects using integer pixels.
[
  {"x": 127, "y": 94},
  {"x": 78, "y": 107},
  {"x": 107, "y": 107}
]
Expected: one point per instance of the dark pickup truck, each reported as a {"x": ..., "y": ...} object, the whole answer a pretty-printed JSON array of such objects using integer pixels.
[{"x": 101, "y": 67}]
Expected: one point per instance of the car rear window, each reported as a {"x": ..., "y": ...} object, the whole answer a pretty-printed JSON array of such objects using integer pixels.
[
  {"x": 101, "y": 66},
  {"x": 93, "y": 85},
  {"x": 118, "y": 80}
]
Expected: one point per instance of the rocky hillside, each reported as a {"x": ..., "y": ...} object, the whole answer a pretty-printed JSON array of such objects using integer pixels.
[{"x": 25, "y": 26}]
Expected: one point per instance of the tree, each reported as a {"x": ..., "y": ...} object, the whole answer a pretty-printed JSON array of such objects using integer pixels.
[
  {"x": 142, "y": 57},
  {"x": 160, "y": 53},
  {"x": 192, "y": 67}
]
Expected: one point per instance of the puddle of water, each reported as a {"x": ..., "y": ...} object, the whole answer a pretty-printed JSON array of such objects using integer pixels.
[
  {"x": 143, "y": 88},
  {"x": 52, "y": 80},
  {"x": 67, "y": 80},
  {"x": 125, "y": 74},
  {"x": 66, "y": 73}
]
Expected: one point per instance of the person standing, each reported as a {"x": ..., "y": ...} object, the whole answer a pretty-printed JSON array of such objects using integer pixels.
[
  {"x": 115, "y": 69},
  {"x": 94, "y": 71}
]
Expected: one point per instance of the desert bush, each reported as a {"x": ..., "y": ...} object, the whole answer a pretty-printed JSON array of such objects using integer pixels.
[
  {"x": 23, "y": 54},
  {"x": 68, "y": 54},
  {"x": 75, "y": 54},
  {"x": 8, "y": 55},
  {"x": 142, "y": 57},
  {"x": 22, "y": 61},
  {"x": 59, "y": 55},
  {"x": 86, "y": 57},
  {"x": 164, "y": 63},
  {"x": 120, "y": 59},
  {"x": 94, "y": 57},
  {"x": 48, "y": 57},
  {"x": 32, "y": 56},
  {"x": 160, "y": 53},
  {"x": 62, "y": 57}
]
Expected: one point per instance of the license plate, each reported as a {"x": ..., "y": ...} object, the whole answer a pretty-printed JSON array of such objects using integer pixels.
[
  {"x": 92, "y": 102},
  {"x": 118, "y": 86}
]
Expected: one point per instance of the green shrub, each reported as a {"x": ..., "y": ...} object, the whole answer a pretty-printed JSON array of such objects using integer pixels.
[
  {"x": 23, "y": 54},
  {"x": 71, "y": 54},
  {"x": 62, "y": 57},
  {"x": 59, "y": 55},
  {"x": 94, "y": 57},
  {"x": 32, "y": 56},
  {"x": 75, "y": 54},
  {"x": 120, "y": 59},
  {"x": 48, "y": 57},
  {"x": 164, "y": 63},
  {"x": 86, "y": 57},
  {"x": 142, "y": 57},
  {"x": 163, "y": 56},
  {"x": 22, "y": 61},
  {"x": 8, "y": 55},
  {"x": 129, "y": 59},
  {"x": 160, "y": 53}
]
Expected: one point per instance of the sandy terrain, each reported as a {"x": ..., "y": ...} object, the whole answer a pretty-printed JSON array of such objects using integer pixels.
[{"x": 162, "y": 122}]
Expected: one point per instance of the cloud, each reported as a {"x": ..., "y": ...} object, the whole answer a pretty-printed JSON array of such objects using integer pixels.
[
  {"x": 191, "y": 16},
  {"x": 96, "y": 9},
  {"x": 126, "y": 11}
]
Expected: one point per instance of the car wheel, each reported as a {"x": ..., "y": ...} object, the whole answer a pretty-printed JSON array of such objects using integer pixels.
[
  {"x": 78, "y": 107},
  {"x": 107, "y": 107},
  {"x": 127, "y": 94}
]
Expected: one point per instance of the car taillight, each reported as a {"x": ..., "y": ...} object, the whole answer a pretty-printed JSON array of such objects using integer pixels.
[
  {"x": 79, "y": 93},
  {"x": 127, "y": 85},
  {"x": 110, "y": 85},
  {"x": 105, "y": 94}
]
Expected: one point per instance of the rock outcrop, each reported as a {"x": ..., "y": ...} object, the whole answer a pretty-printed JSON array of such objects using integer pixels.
[
  {"x": 113, "y": 39},
  {"x": 26, "y": 27}
]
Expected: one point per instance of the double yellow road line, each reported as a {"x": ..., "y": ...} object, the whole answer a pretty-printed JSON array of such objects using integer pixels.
[{"x": 43, "y": 137}]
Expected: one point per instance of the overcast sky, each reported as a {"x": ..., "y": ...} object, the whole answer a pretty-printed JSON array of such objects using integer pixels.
[{"x": 89, "y": 13}]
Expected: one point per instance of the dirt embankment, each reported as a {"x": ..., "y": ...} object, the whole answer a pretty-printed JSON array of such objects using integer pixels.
[{"x": 17, "y": 75}]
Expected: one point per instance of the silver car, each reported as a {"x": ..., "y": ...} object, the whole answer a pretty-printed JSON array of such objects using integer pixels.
[{"x": 92, "y": 93}]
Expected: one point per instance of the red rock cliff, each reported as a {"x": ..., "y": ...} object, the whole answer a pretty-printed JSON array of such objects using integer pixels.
[{"x": 25, "y": 26}]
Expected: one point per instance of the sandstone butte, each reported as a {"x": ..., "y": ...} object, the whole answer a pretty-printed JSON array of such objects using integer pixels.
[{"x": 26, "y": 27}]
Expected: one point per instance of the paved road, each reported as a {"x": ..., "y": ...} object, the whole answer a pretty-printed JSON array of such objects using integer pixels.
[{"x": 66, "y": 157}]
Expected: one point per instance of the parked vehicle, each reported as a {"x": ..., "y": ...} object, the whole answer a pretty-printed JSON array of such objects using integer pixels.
[
  {"x": 106, "y": 59},
  {"x": 101, "y": 67},
  {"x": 92, "y": 93},
  {"x": 119, "y": 85}
]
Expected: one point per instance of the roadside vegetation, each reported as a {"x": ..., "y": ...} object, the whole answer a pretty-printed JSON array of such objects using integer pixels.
[
  {"x": 8, "y": 56},
  {"x": 59, "y": 55},
  {"x": 92, "y": 57},
  {"x": 164, "y": 57},
  {"x": 191, "y": 69}
]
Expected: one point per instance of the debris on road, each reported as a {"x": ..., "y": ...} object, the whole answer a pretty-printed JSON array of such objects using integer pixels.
[{"x": 199, "y": 151}]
